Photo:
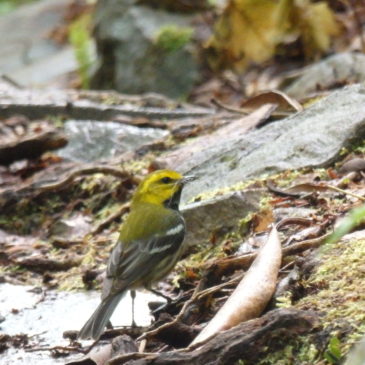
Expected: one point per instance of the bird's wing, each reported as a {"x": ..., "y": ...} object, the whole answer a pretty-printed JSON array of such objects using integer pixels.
[{"x": 129, "y": 265}]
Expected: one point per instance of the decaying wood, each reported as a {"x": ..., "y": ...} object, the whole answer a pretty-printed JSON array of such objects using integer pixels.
[
  {"x": 41, "y": 264},
  {"x": 252, "y": 294},
  {"x": 79, "y": 105},
  {"x": 70, "y": 177},
  {"x": 178, "y": 334},
  {"x": 39, "y": 187},
  {"x": 246, "y": 341},
  {"x": 107, "y": 221},
  {"x": 31, "y": 146},
  {"x": 230, "y": 264}
]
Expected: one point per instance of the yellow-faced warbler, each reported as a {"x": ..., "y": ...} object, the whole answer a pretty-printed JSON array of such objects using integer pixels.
[{"x": 149, "y": 245}]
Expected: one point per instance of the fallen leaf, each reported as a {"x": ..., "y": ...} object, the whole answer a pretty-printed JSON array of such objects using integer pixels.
[
  {"x": 355, "y": 164},
  {"x": 282, "y": 100},
  {"x": 252, "y": 294}
]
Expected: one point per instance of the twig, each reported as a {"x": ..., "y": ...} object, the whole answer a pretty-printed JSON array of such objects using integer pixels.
[
  {"x": 57, "y": 348},
  {"x": 107, "y": 170},
  {"x": 122, "y": 359},
  {"x": 154, "y": 332},
  {"x": 244, "y": 261},
  {"x": 219, "y": 104},
  {"x": 106, "y": 222},
  {"x": 196, "y": 296},
  {"x": 305, "y": 245},
  {"x": 335, "y": 188},
  {"x": 8, "y": 195}
]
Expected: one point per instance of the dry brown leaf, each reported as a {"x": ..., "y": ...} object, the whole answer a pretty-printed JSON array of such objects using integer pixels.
[
  {"x": 307, "y": 188},
  {"x": 355, "y": 164},
  {"x": 252, "y": 294},
  {"x": 247, "y": 30},
  {"x": 284, "y": 102}
]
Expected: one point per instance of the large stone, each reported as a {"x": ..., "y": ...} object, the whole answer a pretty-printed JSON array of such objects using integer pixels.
[
  {"x": 313, "y": 137},
  {"x": 91, "y": 140},
  {"x": 217, "y": 216},
  {"x": 131, "y": 61},
  {"x": 29, "y": 54},
  {"x": 334, "y": 71}
]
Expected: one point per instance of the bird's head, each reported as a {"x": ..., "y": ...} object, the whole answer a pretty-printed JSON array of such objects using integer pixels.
[{"x": 162, "y": 187}]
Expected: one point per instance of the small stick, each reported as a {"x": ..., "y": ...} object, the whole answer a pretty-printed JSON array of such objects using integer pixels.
[
  {"x": 57, "y": 348},
  {"x": 85, "y": 171},
  {"x": 106, "y": 222},
  {"x": 231, "y": 109},
  {"x": 335, "y": 188}
]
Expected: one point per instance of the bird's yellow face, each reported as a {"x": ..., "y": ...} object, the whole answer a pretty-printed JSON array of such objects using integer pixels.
[{"x": 159, "y": 187}]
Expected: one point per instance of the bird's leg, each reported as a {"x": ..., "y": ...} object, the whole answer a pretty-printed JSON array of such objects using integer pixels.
[
  {"x": 109, "y": 325},
  {"x": 133, "y": 296}
]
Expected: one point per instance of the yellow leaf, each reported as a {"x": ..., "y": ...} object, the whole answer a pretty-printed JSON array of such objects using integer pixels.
[
  {"x": 316, "y": 24},
  {"x": 250, "y": 30}
]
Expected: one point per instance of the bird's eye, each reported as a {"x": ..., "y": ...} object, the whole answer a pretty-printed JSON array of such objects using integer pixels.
[{"x": 166, "y": 180}]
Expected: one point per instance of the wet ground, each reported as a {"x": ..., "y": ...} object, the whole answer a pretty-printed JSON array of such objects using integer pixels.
[{"x": 45, "y": 315}]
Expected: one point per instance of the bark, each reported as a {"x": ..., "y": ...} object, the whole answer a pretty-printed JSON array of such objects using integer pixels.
[{"x": 247, "y": 341}]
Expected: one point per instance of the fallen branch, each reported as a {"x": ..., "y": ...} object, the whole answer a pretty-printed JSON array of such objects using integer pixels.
[
  {"x": 108, "y": 170},
  {"x": 58, "y": 348},
  {"x": 107, "y": 221},
  {"x": 41, "y": 264},
  {"x": 243, "y": 262},
  {"x": 298, "y": 190},
  {"x": 246, "y": 341},
  {"x": 78, "y": 105},
  {"x": 197, "y": 295},
  {"x": 9, "y": 195},
  {"x": 31, "y": 146}
]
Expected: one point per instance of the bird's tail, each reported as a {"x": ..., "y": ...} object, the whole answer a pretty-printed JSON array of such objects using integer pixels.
[{"x": 96, "y": 323}]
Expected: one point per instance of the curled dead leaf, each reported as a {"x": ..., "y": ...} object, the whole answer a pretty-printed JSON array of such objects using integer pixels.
[
  {"x": 282, "y": 100},
  {"x": 252, "y": 294},
  {"x": 355, "y": 164}
]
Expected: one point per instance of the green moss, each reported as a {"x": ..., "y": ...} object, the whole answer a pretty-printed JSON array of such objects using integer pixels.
[
  {"x": 171, "y": 38},
  {"x": 334, "y": 289},
  {"x": 337, "y": 285},
  {"x": 27, "y": 215},
  {"x": 297, "y": 351},
  {"x": 357, "y": 147},
  {"x": 281, "y": 179}
]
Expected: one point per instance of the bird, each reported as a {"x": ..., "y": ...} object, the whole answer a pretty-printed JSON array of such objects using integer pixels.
[{"x": 149, "y": 245}]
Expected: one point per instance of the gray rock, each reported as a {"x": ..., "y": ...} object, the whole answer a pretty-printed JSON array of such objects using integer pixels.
[
  {"x": 339, "y": 69},
  {"x": 29, "y": 55},
  {"x": 130, "y": 59},
  {"x": 219, "y": 215},
  {"x": 90, "y": 141},
  {"x": 313, "y": 137}
]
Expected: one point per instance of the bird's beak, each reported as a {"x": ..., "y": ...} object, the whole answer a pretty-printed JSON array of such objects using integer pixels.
[{"x": 187, "y": 179}]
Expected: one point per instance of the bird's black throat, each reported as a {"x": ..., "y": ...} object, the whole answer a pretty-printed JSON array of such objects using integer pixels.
[{"x": 173, "y": 202}]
